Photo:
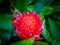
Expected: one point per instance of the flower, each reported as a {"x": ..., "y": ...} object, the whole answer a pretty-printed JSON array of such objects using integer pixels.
[{"x": 28, "y": 25}]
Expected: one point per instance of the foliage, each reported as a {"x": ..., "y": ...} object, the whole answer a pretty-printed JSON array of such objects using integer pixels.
[{"x": 48, "y": 9}]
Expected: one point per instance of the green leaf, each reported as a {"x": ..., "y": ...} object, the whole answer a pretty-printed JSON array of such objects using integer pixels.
[
  {"x": 40, "y": 43},
  {"x": 45, "y": 32},
  {"x": 55, "y": 30},
  {"x": 54, "y": 42},
  {"x": 49, "y": 10},
  {"x": 24, "y": 42},
  {"x": 5, "y": 21},
  {"x": 21, "y": 5},
  {"x": 47, "y": 35},
  {"x": 46, "y": 10}
]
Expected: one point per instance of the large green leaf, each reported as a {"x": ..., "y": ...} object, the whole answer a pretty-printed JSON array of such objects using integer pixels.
[
  {"x": 54, "y": 28},
  {"x": 47, "y": 34},
  {"x": 24, "y": 42}
]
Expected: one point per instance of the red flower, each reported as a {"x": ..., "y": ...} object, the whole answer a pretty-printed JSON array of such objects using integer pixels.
[{"x": 28, "y": 25}]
